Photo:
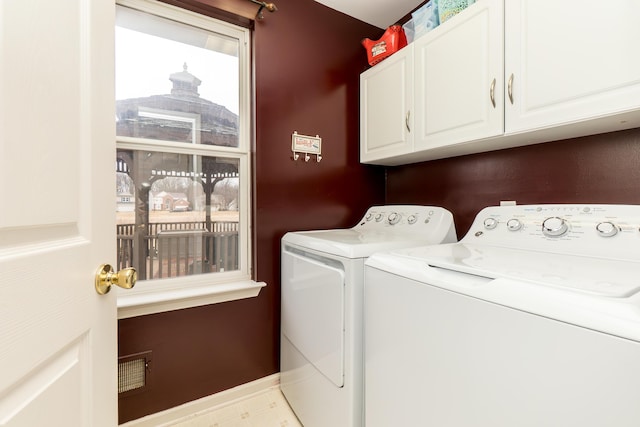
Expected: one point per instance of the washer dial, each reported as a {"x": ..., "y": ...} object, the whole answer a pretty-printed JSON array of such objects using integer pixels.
[
  {"x": 554, "y": 227},
  {"x": 514, "y": 224},
  {"x": 606, "y": 229}
]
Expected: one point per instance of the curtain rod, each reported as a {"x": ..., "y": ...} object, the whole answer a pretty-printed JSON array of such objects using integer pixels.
[{"x": 264, "y": 5}]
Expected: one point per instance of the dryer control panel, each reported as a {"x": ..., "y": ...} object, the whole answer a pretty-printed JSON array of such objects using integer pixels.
[
  {"x": 381, "y": 228},
  {"x": 399, "y": 217}
]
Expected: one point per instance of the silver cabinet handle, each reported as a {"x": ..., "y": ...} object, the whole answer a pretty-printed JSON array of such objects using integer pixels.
[
  {"x": 406, "y": 120},
  {"x": 510, "y": 88},
  {"x": 492, "y": 93}
]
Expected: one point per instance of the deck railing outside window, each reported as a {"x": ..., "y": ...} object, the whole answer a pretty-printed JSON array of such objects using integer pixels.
[{"x": 181, "y": 248}]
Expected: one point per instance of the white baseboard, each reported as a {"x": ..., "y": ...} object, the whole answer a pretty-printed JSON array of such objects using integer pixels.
[{"x": 206, "y": 404}]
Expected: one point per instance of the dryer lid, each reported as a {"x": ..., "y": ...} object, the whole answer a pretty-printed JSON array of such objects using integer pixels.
[{"x": 350, "y": 243}]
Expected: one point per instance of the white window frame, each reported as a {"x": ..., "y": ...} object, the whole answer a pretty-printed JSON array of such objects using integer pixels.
[
  {"x": 154, "y": 296},
  {"x": 176, "y": 116}
]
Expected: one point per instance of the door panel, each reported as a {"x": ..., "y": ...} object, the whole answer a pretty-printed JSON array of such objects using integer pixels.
[
  {"x": 313, "y": 312},
  {"x": 58, "y": 336},
  {"x": 32, "y": 404},
  {"x": 456, "y": 68},
  {"x": 570, "y": 60},
  {"x": 386, "y": 100}
]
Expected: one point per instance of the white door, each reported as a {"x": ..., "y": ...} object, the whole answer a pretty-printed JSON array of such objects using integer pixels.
[
  {"x": 459, "y": 74},
  {"x": 57, "y": 157}
]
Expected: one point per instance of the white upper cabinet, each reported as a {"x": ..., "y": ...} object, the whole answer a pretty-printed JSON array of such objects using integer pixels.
[
  {"x": 386, "y": 103},
  {"x": 562, "y": 69},
  {"x": 459, "y": 79},
  {"x": 570, "y": 61}
]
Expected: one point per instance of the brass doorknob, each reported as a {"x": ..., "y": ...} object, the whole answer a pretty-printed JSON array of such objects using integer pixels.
[{"x": 105, "y": 277}]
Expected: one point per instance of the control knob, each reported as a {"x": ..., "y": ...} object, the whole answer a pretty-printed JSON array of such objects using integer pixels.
[
  {"x": 606, "y": 229},
  {"x": 490, "y": 223},
  {"x": 394, "y": 218},
  {"x": 554, "y": 227},
  {"x": 369, "y": 216},
  {"x": 411, "y": 219},
  {"x": 379, "y": 217},
  {"x": 514, "y": 224}
]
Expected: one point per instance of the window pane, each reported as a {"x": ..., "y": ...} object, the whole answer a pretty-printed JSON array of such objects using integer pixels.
[
  {"x": 175, "y": 82},
  {"x": 177, "y": 214}
]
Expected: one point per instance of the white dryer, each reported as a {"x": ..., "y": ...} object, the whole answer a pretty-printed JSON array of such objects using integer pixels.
[
  {"x": 532, "y": 319},
  {"x": 321, "y": 329}
]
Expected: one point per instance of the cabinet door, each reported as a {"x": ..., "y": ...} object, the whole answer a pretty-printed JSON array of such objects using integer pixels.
[
  {"x": 459, "y": 78},
  {"x": 386, "y": 100},
  {"x": 570, "y": 60}
]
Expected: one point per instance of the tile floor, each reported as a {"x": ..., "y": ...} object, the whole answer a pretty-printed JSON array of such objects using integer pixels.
[{"x": 266, "y": 409}]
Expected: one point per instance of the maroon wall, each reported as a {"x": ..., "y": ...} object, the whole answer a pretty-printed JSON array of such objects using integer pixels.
[
  {"x": 594, "y": 169},
  {"x": 307, "y": 62}
]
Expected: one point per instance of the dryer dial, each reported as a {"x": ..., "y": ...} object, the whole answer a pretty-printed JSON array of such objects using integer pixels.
[
  {"x": 394, "y": 218},
  {"x": 554, "y": 227},
  {"x": 606, "y": 229},
  {"x": 490, "y": 223}
]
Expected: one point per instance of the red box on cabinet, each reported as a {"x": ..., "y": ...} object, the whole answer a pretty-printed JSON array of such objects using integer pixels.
[{"x": 391, "y": 41}]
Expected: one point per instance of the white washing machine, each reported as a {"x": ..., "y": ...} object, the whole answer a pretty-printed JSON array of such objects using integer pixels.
[
  {"x": 531, "y": 320},
  {"x": 322, "y": 283}
]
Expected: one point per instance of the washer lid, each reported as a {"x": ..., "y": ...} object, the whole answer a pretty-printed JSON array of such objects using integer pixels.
[
  {"x": 598, "y": 276},
  {"x": 350, "y": 243}
]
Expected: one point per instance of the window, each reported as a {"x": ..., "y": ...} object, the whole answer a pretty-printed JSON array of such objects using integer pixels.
[{"x": 182, "y": 169}]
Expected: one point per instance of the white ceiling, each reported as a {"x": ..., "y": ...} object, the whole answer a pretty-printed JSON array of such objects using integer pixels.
[{"x": 380, "y": 13}]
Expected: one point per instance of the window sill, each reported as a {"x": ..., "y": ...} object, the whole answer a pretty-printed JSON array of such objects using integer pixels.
[{"x": 139, "y": 303}]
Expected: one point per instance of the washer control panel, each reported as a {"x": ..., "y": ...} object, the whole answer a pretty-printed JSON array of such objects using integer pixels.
[{"x": 598, "y": 230}]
